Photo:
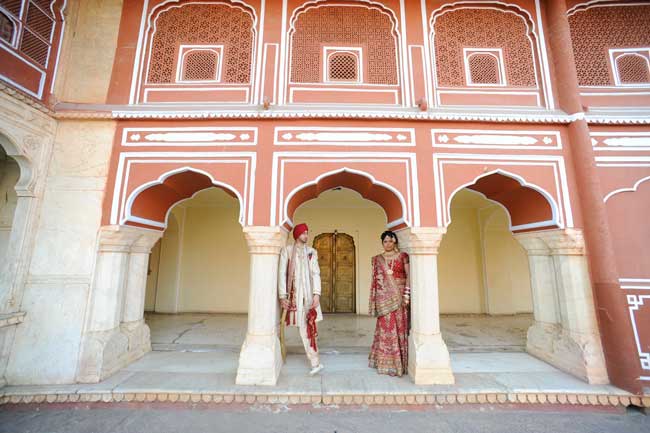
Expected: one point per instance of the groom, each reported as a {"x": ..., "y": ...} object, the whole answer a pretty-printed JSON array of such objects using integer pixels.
[{"x": 299, "y": 292}]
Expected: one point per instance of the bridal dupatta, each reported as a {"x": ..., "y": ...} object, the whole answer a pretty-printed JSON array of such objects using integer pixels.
[{"x": 389, "y": 350}]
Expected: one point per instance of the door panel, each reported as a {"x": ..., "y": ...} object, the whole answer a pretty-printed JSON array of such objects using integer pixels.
[
  {"x": 336, "y": 257},
  {"x": 324, "y": 245}
]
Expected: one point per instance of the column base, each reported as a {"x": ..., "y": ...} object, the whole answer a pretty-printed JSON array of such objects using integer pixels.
[
  {"x": 139, "y": 337},
  {"x": 578, "y": 354},
  {"x": 260, "y": 361},
  {"x": 101, "y": 353},
  {"x": 429, "y": 362}
]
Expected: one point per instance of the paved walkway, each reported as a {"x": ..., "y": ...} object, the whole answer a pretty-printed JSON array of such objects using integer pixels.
[{"x": 283, "y": 419}]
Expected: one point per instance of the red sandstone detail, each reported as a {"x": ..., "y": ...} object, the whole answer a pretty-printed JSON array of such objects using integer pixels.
[
  {"x": 595, "y": 30},
  {"x": 633, "y": 69},
  {"x": 482, "y": 28},
  {"x": 484, "y": 69},
  {"x": 203, "y": 24},
  {"x": 364, "y": 27}
]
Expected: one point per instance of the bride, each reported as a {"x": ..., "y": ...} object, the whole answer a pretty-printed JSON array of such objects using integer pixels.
[{"x": 389, "y": 302}]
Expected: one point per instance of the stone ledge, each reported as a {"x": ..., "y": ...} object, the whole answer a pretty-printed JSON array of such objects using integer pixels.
[
  {"x": 11, "y": 319},
  {"x": 570, "y": 399}
]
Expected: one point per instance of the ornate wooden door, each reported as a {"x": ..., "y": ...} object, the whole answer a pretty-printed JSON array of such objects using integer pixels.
[{"x": 336, "y": 257}]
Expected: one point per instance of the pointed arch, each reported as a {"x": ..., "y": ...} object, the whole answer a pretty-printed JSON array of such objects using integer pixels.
[
  {"x": 528, "y": 205},
  {"x": 385, "y": 195},
  {"x": 150, "y": 204},
  {"x": 633, "y": 188}
]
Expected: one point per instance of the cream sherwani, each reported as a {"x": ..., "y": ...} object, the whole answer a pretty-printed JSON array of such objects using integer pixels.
[{"x": 306, "y": 285}]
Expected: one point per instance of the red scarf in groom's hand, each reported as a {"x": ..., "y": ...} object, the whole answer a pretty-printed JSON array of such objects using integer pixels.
[{"x": 312, "y": 330}]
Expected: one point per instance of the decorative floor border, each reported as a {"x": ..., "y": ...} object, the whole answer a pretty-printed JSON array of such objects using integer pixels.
[{"x": 336, "y": 399}]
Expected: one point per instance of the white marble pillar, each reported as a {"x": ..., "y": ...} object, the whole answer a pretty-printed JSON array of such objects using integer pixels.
[
  {"x": 260, "y": 359},
  {"x": 103, "y": 346},
  {"x": 429, "y": 361},
  {"x": 546, "y": 310},
  {"x": 133, "y": 325},
  {"x": 565, "y": 298}
]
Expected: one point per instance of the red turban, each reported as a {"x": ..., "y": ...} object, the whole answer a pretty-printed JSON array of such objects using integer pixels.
[{"x": 299, "y": 229}]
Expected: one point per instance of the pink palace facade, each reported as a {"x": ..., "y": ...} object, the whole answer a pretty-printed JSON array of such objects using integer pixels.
[{"x": 113, "y": 114}]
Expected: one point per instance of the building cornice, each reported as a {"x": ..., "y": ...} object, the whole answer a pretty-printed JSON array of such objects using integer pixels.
[
  {"x": 17, "y": 94},
  {"x": 460, "y": 114}
]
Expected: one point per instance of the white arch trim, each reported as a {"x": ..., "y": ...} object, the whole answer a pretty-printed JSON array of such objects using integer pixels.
[
  {"x": 403, "y": 219},
  {"x": 580, "y": 7},
  {"x": 633, "y": 188},
  {"x": 26, "y": 180},
  {"x": 554, "y": 221},
  {"x": 129, "y": 217}
]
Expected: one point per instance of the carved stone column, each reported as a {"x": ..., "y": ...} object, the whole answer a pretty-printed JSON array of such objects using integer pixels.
[
  {"x": 546, "y": 310},
  {"x": 104, "y": 348},
  {"x": 565, "y": 333},
  {"x": 133, "y": 325},
  {"x": 429, "y": 361},
  {"x": 260, "y": 359}
]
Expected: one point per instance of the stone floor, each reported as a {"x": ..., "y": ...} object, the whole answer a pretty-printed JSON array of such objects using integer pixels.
[
  {"x": 195, "y": 357},
  {"x": 342, "y": 333}
]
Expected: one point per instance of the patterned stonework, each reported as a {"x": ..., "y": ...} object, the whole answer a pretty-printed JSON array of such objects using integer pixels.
[
  {"x": 595, "y": 30},
  {"x": 482, "y": 28},
  {"x": 203, "y": 24},
  {"x": 363, "y": 27}
]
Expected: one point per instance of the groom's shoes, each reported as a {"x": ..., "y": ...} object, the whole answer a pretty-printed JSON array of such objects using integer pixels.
[{"x": 316, "y": 370}]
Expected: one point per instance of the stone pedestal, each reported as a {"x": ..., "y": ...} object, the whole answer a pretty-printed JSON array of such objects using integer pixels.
[
  {"x": 133, "y": 325},
  {"x": 116, "y": 296},
  {"x": 429, "y": 361},
  {"x": 260, "y": 359},
  {"x": 565, "y": 332}
]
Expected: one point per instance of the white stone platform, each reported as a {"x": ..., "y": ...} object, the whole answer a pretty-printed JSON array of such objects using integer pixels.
[{"x": 197, "y": 357}]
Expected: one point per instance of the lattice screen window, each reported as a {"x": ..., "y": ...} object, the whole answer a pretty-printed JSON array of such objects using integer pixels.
[
  {"x": 199, "y": 63},
  {"x": 39, "y": 24},
  {"x": 342, "y": 65},
  {"x": 33, "y": 19},
  {"x": 484, "y": 67},
  {"x": 631, "y": 67},
  {"x": 6, "y": 28}
]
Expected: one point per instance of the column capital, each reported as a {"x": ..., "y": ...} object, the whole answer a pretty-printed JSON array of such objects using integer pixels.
[
  {"x": 126, "y": 239},
  {"x": 146, "y": 241},
  {"x": 421, "y": 240},
  {"x": 265, "y": 239},
  {"x": 561, "y": 242}
]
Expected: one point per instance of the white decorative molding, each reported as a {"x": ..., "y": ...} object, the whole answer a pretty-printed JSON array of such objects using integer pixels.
[
  {"x": 190, "y": 136},
  {"x": 635, "y": 283},
  {"x": 621, "y": 141},
  {"x": 559, "y": 199},
  {"x": 628, "y": 141},
  {"x": 633, "y": 188},
  {"x": 280, "y": 197},
  {"x": 123, "y": 196},
  {"x": 496, "y": 139},
  {"x": 342, "y": 136},
  {"x": 635, "y": 302}
]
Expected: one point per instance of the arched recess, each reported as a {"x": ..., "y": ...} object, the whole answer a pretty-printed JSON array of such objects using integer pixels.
[
  {"x": 627, "y": 210},
  {"x": 14, "y": 260},
  {"x": 367, "y": 27},
  {"x": 528, "y": 206},
  {"x": 230, "y": 26},
  {"x": 150, "y": 204},
  {"x": 389, "y": 198},
  {"x": 478, "y": 27}
]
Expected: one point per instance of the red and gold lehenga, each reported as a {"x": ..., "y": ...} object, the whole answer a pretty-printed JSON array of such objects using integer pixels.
[{"x": 389, "y": 351}]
